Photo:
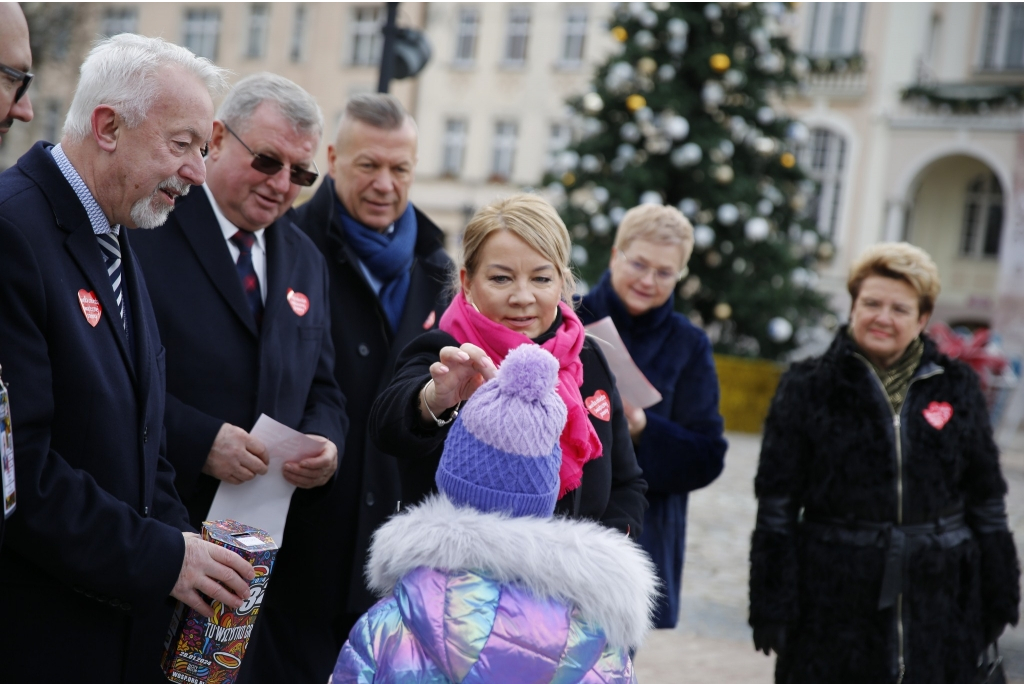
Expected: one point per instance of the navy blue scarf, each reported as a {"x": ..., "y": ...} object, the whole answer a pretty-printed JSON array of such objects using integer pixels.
[
  {"x": 643, "y": 335},
  {"x": 389, "y": 257}
]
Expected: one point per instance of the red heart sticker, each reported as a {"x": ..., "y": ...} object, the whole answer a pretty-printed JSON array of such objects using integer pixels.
[
  {"x": 599, "y": 405},
  {"x": 91, "y": 306},
  {"x": 429, "y": 323},
  {"x": 298, "y": 301},
  {"x": 938, "y": 414}
]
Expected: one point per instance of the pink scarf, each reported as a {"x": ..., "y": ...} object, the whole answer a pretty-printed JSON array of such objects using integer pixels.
[{"x": 579, "y": 440}]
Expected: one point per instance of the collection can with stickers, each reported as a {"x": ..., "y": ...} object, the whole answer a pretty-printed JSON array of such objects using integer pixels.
[{"x": 210, "y": 650}]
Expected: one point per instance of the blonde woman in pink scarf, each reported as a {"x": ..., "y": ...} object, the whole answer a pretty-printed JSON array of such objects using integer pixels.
[{"x": 514, "y": 286}]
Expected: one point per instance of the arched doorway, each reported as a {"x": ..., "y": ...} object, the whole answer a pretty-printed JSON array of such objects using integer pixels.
[{"x": 957, "y": 216}]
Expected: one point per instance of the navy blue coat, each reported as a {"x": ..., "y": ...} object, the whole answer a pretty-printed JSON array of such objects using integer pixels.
[
  {"x": 221, "y": 368},
  {"x": 95, "y": 544},
  {"x": 682, "y": 447}
]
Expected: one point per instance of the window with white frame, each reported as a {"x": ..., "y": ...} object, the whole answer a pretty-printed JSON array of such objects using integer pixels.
[
  {"x": 202, "y": 32},
  {"x": 465, "y": 36},
  {"x": 982, "y": 226},
  {"x": 835, "y": 28},
  {"x": 516, "y": 36},
  {"x": 259, "y": 24},
  {"x": 118, "y": 20},
  {"x": 297, "y": 50},
  {"x": 824, "y": 160},
  {"x": 573, "y": 34},
  {"x": 1002, "y": 40},
  {"x": 367, "y": 36},
  {"x": 505, "y": 134},
  {"x": 454, "y": 147}
]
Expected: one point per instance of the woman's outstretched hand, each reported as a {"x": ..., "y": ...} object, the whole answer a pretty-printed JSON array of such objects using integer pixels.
[{"x": 456, "y": 375}]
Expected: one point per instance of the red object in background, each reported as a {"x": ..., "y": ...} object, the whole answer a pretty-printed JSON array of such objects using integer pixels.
[{"x": 971, "y": 349}]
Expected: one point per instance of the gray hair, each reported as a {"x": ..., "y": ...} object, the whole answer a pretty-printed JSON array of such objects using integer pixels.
[
  {"x": 379, "y": 110},
  {"x": 295, "y": 104},
  {"x": 122, "y": 72}
]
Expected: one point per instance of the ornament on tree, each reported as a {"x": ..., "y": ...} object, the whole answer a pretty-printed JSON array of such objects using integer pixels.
[
  {"x": 645, "y": 40},
  {"x": 727, "y": 247},
  {"x": 629, "y": 132},
  {"x": 648, "y": 19},
  {"x": 703, "y": 236},
  {"x": 764, "y": 145},
  {"x": 798, "y": 132},
  {"x": 580, "y": 256},
  {"x": 734, "y": 78},
  {"x": 770, "y": 62},
  {"x": 619, "y": 77},
  {"x": 592, "y": 104},
  {"x": 713, "y": 259},
  {"x": 601, "y": 194},
  {"x": 590, "y": 164},
  {"x": 723, "y": 310},
  {"x": 676, "y": 46},
  {"x": 568, "y": 179},
  {"x": 723, "y": 174},
  {"x": 739, "y": 265},
  {"x": 689, "y": 207},
  {"x": 644, "y": 115},
  {"x": 719, "y": 62},
  {"x": 600, "y": 224},
  {"x": 615, "y": 214},
  {"x": 666, "y": 72},
  {"x": 677, "y": 28},
  {"x": 620, "y": 34},
  {"x": 765, "y": 207},
  {"x": 626, "y": 152},
  {"x": 635, "y": 102},
  {"x": 780, "y": 330},
  {"x": 651, "y": 197},
  {"x": 787, "y": 160},
  {"x": 800, "y": 277},
  {"x": 646, "y": 66},
  {"x": 765, "y": 115},
  {"x": 713, "y": 94},
  {"x": 826, "y": 251},
  {"x": 756, "y": 229},
  {"x": 809, "y": 240},
  {"x": 687, "y": 155},
  {"x": 712, "y": 12},
  {"x": 677, "y": 127},
  {"x": 727, "y": 215}
]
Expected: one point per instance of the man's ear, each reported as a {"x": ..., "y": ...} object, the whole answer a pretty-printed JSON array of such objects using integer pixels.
[
  {"x": 216, "y": 140},
  {"x": 106, "y": 127},
  {"x": 332, "y": 156},
  {"x": 614, "y": 254}
]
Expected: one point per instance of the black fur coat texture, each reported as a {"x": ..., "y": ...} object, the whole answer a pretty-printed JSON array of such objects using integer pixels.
[{"x": 829, "y": 455}]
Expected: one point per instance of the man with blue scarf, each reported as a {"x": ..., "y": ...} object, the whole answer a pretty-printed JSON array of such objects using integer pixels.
[{"x": 389, "y": 275}]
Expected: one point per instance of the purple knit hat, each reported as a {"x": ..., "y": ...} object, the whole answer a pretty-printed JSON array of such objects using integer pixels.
[{"x": 502, "y": 452}]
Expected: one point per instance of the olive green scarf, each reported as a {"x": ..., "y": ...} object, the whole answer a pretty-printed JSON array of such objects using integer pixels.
[{"x": 896, "y": 379}]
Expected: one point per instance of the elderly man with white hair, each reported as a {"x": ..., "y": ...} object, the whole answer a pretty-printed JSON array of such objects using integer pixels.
[{"x": 101, "y": 540}]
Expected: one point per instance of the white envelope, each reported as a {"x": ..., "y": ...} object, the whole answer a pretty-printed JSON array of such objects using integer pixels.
[
  {"x": 263, "y": 501},
  {"x": 632, "y": 384}
]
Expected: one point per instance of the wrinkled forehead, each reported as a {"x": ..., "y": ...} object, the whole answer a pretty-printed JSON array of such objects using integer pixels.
[{"x": 387, "y": 145}]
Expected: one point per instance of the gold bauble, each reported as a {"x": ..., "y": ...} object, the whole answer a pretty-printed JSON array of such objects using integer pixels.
[
  {"x": 635, "y": 102},
  {"x": 720, "y": 62},
  {"x": 568, "y": 179},
  {"x": 787, "y": 160},
  {"x": 723, "y": 310},
  {"x": 646, "y": 66},
  {"x": 620, "y": 34}
]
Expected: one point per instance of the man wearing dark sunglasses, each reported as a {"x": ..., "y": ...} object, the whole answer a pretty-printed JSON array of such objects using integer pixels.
[
  {"x": 241, "y": 299},
  {"x": 15, "y": 65}
]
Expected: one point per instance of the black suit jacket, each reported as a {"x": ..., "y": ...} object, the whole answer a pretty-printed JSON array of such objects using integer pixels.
[
  {"x": 96, "y": 540},
  {"x": 366, "y": 350},
  {"x": 220, "y": 368}
]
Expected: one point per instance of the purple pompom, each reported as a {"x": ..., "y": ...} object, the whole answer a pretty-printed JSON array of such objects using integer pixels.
[{"x": 529, "y": 371}]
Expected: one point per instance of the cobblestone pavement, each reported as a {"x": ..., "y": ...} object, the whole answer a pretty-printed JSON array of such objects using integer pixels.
[{"x": 713, "y": 642}]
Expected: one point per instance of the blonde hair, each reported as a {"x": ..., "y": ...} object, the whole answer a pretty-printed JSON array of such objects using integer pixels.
[
  {"x": 659, "y": 224},
  {"x": 903, "y": 262},
  {"x": 530, "y": 218}
]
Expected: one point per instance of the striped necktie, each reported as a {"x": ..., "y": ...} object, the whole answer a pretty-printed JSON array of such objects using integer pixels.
[
  {"x": 244, "y": 240},
  {"x": 111, "y": 251}
]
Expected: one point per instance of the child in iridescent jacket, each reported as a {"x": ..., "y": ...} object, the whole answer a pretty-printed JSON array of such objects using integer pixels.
[{"x": 480, "y": 583}]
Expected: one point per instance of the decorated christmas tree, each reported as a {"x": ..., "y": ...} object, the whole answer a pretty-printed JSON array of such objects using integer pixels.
[{"x": 687, "y": 114}]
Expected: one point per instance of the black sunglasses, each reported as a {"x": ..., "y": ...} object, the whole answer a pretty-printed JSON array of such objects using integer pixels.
[
  {"x": 270, "y": 166},
  {"x": 23, "y": 76}
]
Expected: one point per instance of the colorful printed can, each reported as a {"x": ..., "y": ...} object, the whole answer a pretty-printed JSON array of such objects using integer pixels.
[{"x": 210, "y": 650}]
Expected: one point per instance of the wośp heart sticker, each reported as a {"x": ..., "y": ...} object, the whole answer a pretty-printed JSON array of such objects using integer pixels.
[
  {"x": 90, "y": 305},
  {"x": 298, "y": 301},
  {"x": 599, "y": 405},
  {"x": 938, "y": 414}
]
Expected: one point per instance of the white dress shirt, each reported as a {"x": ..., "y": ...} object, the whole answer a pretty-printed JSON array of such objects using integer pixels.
[{"x": 259, "y": 248}]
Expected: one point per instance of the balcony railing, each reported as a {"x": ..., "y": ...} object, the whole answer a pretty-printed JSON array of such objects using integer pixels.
[{"x": 836, "y": 77}]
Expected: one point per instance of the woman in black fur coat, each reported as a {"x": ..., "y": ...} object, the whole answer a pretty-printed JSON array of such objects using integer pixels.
[{"x": 881, "y": 552}]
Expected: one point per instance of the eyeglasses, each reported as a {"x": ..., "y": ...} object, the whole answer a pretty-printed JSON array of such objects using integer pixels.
[
  {"x": 637, "y": 269},
  {"x": 270, "y": 166},
  {"x": 23, "y": 76}
]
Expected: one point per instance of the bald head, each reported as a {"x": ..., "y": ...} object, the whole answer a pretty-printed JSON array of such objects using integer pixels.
[{"x": 15, "y": 57}]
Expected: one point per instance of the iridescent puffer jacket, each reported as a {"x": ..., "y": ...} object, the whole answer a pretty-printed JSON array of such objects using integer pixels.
[{"x": 483, "y": 597}]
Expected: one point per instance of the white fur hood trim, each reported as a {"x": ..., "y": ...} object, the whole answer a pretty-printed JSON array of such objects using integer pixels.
[{"x": 598, "y": 569}]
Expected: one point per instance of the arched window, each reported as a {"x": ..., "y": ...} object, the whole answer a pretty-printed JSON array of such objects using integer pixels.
[
  {"x": 824, "y": 160},
  {"x": 983, "y": 217}
]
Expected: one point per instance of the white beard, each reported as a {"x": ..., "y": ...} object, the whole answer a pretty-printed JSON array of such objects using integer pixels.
[{"x": 150, "y": 212}]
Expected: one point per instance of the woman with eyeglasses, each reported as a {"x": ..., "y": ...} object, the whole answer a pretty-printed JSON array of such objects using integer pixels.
[
  {"x": 678, "y": 441},
  {"x": 514, "y": 289}
]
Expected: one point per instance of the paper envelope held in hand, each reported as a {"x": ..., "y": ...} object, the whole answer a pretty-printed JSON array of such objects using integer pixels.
[
  {"x": 632, "y": 384},
  {"x": 263, "y": 501}
]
